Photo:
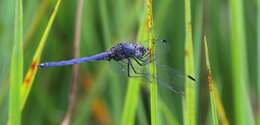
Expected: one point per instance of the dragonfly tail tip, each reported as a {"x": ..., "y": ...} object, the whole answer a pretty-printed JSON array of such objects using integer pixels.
[{"x": 42, "y": 65}]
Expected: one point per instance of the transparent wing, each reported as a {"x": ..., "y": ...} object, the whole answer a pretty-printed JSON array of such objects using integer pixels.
[
  {"x": 165, "y": 73},
  {"x": 173, "y": 78},
  {"x": 166, "y": 76},
  {"x": 119, "y": 67}
]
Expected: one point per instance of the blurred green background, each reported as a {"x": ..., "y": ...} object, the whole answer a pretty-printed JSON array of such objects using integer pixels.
[{"x": 102, "y": 90}]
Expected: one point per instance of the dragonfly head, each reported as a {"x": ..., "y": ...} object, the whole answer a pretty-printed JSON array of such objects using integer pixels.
[{"x": 140, "y": 50}]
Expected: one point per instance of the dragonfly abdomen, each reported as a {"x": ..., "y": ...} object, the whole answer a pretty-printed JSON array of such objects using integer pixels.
[{"x": 97, "y": 57}]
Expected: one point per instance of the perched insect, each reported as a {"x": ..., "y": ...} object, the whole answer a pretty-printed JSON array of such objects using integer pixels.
[{"x": 129, "y": 53}]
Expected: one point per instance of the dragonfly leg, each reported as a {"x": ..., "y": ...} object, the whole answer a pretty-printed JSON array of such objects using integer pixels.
[
  {"x": 142, "y": 63},
  {"x": 147, "y": 57},
  {"x": 130, "y": 66},
  {"x": 146, "y": 54}
]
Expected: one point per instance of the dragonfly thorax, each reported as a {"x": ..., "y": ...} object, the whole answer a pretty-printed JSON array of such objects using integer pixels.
[
  {"x": 140, "y": 51},
  {"x": 127, "y": 50}
]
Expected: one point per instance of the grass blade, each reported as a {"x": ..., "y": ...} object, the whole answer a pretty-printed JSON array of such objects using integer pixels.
[
  {"x": 220, "y": 108},
  {"x": 152, "y": 66},
  {"x": 210, "y": 85},
  {"x": 215, "y": 100},
  {"x": 131, "y": 101},
  {"x": 243, "y": 110},
  {"x": 16, "y": 71},
  {"x": 258, "y": 61},
  {"x": 30, "y": 75},
  {"x": 35, "y": 23},
  {"x": 190, "y": 90}
]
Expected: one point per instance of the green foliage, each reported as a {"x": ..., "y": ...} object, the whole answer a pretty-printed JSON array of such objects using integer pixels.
[{"x": 229, "y": 26}]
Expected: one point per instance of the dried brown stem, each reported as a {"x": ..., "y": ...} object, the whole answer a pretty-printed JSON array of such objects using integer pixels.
[{"x": 75, "y": 68}]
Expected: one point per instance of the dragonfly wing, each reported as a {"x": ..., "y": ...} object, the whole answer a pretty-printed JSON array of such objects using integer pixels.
[
  {"x": 180, "y": 76},
  {"x": 170, "y": 77},
  {"x": 165, "y": 77},
  {"x": 167, "y": 84},
  {"x": 119, "y": 67}
]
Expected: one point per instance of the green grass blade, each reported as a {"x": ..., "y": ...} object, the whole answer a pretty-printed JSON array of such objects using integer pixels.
[
  {"x": 30, "y": 75},
  {"x": 131, "y": 101},
  {"x": 243, "y": 110},
  {"x": 210, "y": 85},
  {"x": 35, "y": 23},
  {"x": 258, "y": 61},
  {"x": 152, "y": 66},
  {"x": 153, "y": 100},
  {"x": 220, "y": 108},
  {"x": 217, "y": 108},
  {"x": 16, "y": 72},
  {"x": 190, "y": 90}
]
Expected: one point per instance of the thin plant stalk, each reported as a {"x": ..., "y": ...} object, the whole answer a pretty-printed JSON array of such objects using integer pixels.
[
  {"x": 152, "y": 66},
  {"x": 210, "y": 86},
  {"x": 75, "y": 68},
  {"x": 190, "y": 90},
  {"x": 220, "y": 108},
  {"x": 258, "y": 60},
  {"x": 16, "y": 71}
]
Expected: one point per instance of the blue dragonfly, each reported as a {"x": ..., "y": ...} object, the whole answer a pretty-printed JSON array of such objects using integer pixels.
[{"x": 132, "y": 54}]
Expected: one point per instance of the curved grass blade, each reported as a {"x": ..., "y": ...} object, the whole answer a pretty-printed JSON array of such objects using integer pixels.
[
  {"x": 220, "y": 107},
  {"x": 30, "y": 75},
  {"x": 16, "y": 71},
  {"x": 35, "y": 23},
  {"x": 210, "y": 85}
]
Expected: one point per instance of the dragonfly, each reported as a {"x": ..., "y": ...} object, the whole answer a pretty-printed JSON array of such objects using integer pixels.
[{"x": 131, "y": 54}]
